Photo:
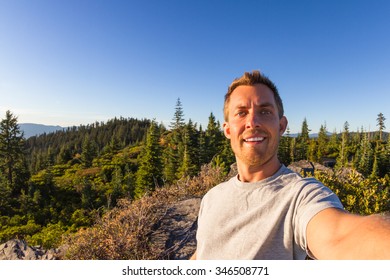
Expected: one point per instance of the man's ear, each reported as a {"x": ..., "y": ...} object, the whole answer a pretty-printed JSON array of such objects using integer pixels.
[
  {"x": 226, "y": 130},
  {"x": 282, "y": 125}
]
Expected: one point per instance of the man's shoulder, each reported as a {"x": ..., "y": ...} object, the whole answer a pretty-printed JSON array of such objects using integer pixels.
[{"x": 221, "y": 187}]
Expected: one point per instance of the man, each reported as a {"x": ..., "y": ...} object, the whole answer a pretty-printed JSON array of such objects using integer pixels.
[{"x": 267, "y": 211}]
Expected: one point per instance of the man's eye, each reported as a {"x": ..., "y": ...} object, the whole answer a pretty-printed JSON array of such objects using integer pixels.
[
  {"x": 241, "y": 113},
  {"x": 265, "y": 112}
]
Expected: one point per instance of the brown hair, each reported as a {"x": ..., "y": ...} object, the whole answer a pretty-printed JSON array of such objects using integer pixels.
[{"x": 250, "y": 79}]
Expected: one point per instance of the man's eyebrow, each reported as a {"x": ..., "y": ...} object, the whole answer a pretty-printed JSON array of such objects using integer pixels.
[{"x": 266, "y": 104}]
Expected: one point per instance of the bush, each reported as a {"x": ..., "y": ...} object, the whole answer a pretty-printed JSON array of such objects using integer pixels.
[
  {"x": 49, "y": 237},
  {"x": 125, "y": 231}
]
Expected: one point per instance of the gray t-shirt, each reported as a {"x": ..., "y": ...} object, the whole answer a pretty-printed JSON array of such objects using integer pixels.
[{"x": 262, "y": 220}]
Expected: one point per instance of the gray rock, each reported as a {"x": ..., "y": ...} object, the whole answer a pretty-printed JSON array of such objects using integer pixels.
[
  {"x": 16, "y": 249},
  {"x": 176, "y": 231}
]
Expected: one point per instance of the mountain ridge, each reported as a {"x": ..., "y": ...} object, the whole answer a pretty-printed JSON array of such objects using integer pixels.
[{"x": 34, "y": 129}]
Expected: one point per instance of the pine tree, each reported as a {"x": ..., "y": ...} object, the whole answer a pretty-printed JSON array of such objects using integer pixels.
[
  {"x": 293, "y": 149},
  {"x": 171, "y": 156},
  {"x": 178, "y": 118},
  {"x": 303, "y": 142},
  {"x": 284, "y": 150},
  {"x": 312, "y": 150},
  {"x": 190, "y": 164},
  {"x": 322, "y": 143},
  {"x": 365, "y": 156},
  {"x": 342, "y": 160},
  {"x": 89, "y": 151},
  {"x": 12, "y": 154},
  {"x": 381, "y": 124},
  {"x": 213, "y": 138},
  {"x": 149, "y": 174},
  {"x": 376, "y": 163}
]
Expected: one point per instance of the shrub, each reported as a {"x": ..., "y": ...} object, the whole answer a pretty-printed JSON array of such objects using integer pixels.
[{"x": 125, "y": 231}]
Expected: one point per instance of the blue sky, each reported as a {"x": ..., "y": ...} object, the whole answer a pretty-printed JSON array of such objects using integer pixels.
[{"x": 77, "y": 62}]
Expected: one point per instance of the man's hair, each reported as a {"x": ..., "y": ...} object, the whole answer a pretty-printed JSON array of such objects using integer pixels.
[{"x": 251, "y": 79}]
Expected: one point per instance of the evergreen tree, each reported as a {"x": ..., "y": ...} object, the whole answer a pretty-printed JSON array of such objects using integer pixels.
[
  {"x": 381, "y": 124},
  {"x": 293, "y": 149},
  {"x": 322, "y": 143},
  {"x": 312, "y": 150},
  {"x": 89, "y": 152},
  {"x": 213, "y": 138},
  {"x": 227, "y": 156},
  {"x": 178, "y": 118},
  {"x": 365, "y": 156},
  {"x": 171, "y": 156},
  {"x": 376, "y": 163},
  {"x": 342, "y": 160},
  {"x": 149, "y": 174},
  {"x": 202, "y": 149},
  {"x": 189, "y": 165},
  {"x": 302, "y": 144},
  {"x": 333, "y": 146},
  {"x": 284, "y": 150},
  {"x": 12, "y": 154}
]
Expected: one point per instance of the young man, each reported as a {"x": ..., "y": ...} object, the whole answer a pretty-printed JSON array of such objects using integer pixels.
[{"x": 267, "y": 211}]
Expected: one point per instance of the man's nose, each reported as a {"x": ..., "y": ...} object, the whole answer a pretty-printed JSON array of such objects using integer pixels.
[{"x": 253, "y": 121}]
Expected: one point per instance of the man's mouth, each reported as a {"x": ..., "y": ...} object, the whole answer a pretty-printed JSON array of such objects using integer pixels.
[{"x": 254, "y": 139}]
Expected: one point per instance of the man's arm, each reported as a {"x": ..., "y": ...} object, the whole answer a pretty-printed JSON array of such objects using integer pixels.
[{"x": 336, "y": 234}]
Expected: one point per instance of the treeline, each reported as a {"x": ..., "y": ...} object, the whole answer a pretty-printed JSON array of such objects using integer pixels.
[
  {"x": 366, "y": 152},
  {"x": 57, "y": 183}
]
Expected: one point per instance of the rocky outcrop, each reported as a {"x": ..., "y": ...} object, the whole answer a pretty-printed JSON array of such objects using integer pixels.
[
  {"x": 176, "y": 231},
  {"x": 307, "y": 168},
  {"x": 19, "y": 250}
]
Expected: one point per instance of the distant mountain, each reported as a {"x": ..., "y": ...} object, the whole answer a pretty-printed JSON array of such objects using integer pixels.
[
  {"x": 373, "y": 134},
  {"x": 312, "y": 135},
  {"x": 33, "y": 129}
]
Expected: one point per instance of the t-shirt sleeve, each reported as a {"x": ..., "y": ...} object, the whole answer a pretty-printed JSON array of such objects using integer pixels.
[{"x": 313, "y": 198}]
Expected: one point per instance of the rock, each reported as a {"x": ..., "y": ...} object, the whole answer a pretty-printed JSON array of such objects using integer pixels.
[
  {"x": 176, "y": 231},
  {"x": 307, "y": 168},
  {"x": 16, "y": 249}
]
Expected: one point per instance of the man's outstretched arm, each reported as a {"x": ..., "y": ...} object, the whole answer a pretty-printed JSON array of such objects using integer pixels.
[{"x": 336, "y": 234}]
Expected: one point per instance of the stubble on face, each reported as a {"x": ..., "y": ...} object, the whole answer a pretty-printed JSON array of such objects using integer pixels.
[{"x": 254, "y": 127}]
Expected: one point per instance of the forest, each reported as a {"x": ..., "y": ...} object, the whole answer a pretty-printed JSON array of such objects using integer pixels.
[{"x": 54, "y": 185}]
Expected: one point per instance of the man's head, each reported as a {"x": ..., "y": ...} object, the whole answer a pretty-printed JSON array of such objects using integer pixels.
[
  {"x": 250, "y": 79},
  {"x": 254, "y": 124}
]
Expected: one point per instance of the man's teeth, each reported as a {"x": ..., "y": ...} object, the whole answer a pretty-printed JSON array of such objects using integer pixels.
[{"x": 254, "y": 139}]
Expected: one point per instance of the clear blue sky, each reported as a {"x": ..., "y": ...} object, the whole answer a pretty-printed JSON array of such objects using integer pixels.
[{"x": 76, "y": 62}]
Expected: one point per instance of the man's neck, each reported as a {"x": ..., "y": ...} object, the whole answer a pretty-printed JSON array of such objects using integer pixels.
[{"x": 253, "y": 174}]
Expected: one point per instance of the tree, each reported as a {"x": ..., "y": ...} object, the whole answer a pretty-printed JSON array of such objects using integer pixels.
[
  {"x": 322, "y": 143},
  {"x": 381, "y": 124},
  {"x": 89, "y": 152},
  {"x": 303, "y": 142},
  {"x": 342, "y": 160},
  {"x": 189, "y": 164},
  {"x": 284, "y": 149},
  {"x": 365, "y": 156},
  {"x": 178, "y": 118},
  {"x": 12, "y": 153},
  {"x": 149, "y": 174},
  {"x": 213, "y": 138}
]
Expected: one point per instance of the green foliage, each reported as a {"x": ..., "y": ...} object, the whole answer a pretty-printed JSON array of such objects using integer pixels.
[
  {"x": 358, "y": 194},
  {"x": 49, "y": 237},
  {"x": 149, "y": 174}
]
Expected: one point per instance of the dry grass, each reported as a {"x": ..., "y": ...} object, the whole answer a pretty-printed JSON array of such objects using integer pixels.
[{"x": 124, "y": 232}]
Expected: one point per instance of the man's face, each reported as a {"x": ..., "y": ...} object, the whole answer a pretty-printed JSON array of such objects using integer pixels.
[{"x": 254, "y": 127}]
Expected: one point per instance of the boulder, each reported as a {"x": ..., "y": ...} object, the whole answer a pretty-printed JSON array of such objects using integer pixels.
[
  {"x": 175, "y": 233},
  {"x": 16, "y": 249}
]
